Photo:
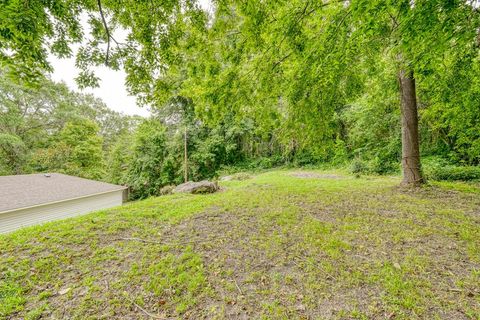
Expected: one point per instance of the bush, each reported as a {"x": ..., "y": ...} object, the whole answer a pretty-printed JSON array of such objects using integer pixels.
[
  {"x": 437, "y": 168},
  {"x": 358, "y": 166},
  {"x": 303, "y": 158},
  {"x": 374, "y": 166},
  {"x": 340, "y": 155},
  {"x": 452, "y": 172}
]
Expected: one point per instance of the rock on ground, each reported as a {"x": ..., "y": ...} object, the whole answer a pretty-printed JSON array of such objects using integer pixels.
[
  {"x": 196, "y": 187},
  {"x": 166, "y": 190}
]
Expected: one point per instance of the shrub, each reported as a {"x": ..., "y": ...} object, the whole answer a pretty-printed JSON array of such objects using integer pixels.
[
  {"x": 340, "y": 155},
  {"x": 438, "y": 168},
  {"x": 358, "y": 166},
  {"x": 374, "y": 166},
  {"x": 383, "y": 166},
  {"x": 452, "y": 172}
]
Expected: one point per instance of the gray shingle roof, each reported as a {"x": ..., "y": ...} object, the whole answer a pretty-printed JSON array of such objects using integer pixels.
[{"x": 22, "y": 191}]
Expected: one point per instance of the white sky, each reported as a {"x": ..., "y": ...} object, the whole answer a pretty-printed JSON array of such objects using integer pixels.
[{"x": 112, "y": 88}]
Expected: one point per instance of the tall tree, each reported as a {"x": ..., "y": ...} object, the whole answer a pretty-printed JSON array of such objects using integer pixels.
[
  {"x": 416, "y": 34},
  {"x": 292, "y": 64},
  {"x": 29, "y": 31},
  {"x": 31, "y": 118},
  {"x": 77, "y": 150},
  {"x": 412, "y": 173}
]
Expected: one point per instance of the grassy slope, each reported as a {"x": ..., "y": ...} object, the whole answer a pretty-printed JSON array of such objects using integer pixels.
[{"x": 276, "y": 246}]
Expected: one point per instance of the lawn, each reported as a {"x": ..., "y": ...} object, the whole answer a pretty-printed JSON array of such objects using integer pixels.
[{"x": 281, "y": 245}]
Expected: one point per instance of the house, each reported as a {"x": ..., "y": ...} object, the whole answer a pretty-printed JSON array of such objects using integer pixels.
[{"x": 31, "y": 199}]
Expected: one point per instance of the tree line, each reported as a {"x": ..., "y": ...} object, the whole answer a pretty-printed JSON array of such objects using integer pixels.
[
  {"x": 51, "y": 128},
  {"x": 376, "y": 83}
]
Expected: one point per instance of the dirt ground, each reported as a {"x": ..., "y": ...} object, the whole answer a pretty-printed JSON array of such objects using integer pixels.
[{"x": 271, "y": 247}]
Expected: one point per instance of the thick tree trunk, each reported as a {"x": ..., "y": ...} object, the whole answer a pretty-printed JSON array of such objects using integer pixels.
[
  {"x": 412, "y": 173},
  {"x": 185, "y": 163}
]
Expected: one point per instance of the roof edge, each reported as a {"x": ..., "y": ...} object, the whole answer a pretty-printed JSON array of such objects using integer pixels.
[{"x": 59, "y": 201}]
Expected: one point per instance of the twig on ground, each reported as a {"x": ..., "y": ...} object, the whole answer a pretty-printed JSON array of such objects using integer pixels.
[
  {"x": 305, "y": 260},
  {"x": 107, "y": 285},
  {"x": 361, "y": 257},
  {"x": 239, "y": 290},
  {"x": 151, "y": 315},
  {"x": 171, "y": 243},
  {"x": 140, "y": 240}
]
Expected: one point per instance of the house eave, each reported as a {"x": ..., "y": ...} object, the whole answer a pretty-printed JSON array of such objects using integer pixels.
[{"x": 64, "y": 200}]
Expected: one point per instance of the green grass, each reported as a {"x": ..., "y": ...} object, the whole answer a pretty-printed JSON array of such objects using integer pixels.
[{"x": 321, "y": 245}]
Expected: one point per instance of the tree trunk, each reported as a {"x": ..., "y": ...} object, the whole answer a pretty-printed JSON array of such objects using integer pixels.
[
  {"x": 412, "y": 173},
  {"x": 185, "y": 151}
]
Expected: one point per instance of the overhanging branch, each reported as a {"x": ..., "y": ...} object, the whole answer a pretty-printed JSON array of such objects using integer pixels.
[{"x": 107, "y": 30}]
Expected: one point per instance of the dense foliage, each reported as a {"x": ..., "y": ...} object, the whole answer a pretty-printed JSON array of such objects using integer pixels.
[
  {"x": 260, "y": 82},
  {"x": 50, "y": 128}
]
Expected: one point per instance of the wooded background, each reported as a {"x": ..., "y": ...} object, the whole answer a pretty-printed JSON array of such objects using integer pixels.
[{"x": 256, "y": 83}]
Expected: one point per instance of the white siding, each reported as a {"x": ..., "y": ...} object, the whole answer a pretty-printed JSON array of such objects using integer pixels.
[{"x": 10, "y": 221}]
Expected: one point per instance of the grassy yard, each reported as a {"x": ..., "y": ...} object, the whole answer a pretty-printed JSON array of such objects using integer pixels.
[{"x": 281, "y": 245}]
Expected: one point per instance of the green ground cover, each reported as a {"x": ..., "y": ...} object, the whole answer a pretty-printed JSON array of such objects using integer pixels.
[{"x": 282, "y": 245}]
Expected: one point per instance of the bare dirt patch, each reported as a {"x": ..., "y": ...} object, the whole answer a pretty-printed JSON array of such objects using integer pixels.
[
  {"x": 253, "y": 265},
  {"x": 315, "y": 175}
]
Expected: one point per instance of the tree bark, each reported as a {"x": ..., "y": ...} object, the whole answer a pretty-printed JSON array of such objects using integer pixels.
[
  {"x": 185, "y": 164},
  {"x": 412, "y": 173}
]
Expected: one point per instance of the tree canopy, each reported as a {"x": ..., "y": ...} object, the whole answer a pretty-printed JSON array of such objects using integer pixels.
[{"x": 374, "y": 82}]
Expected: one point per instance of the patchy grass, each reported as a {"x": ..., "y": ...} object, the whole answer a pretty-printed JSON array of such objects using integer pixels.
[{"x": 282, "y": 245}]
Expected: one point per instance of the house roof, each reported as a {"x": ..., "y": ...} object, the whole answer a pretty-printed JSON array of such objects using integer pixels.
[{"x": 30, "y": 190}]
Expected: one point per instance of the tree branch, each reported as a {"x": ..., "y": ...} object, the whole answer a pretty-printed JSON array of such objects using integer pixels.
[{"x": 107, "y": 31}]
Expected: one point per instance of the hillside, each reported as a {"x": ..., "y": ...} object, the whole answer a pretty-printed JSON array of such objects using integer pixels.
[{"x": 281, "y": 245}]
